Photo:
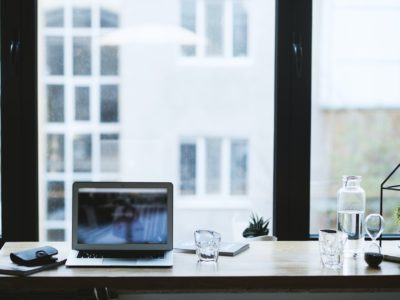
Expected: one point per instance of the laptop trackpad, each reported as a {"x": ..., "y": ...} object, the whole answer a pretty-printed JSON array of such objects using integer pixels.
[{"x": 119, "y": 262}]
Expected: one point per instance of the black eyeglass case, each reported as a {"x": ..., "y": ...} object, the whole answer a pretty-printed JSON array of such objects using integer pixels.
[{"x": 34, "y": 257}]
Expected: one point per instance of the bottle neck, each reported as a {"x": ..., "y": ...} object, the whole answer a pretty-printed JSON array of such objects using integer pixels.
[{"x": 351, "y": 181}]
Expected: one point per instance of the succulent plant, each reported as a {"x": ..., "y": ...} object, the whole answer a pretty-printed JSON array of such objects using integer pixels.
[{"x": 257, "y": 226}]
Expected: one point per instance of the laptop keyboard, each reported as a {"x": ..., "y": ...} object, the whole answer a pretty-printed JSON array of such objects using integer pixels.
[{"x": 120, "y": 254}]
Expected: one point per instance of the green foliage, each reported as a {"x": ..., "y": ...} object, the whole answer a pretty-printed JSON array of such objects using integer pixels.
[
  {"x": 257, "y": 227},
  {"x": 396, "y": 215},
  {"x": 363, "y": 142}
]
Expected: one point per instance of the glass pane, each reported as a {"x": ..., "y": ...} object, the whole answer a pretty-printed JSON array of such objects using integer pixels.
[
  {"x": 213, "y": 166},
  {"x": 214, "y": 27},
  {"x": 81, "y": 17},
  {"x": 55, "y": 17},
  {"x": 356, "y": 112},
  {"x": 239, "y": 29},
  {"x": 82, "y": 56},
  {"x": 55, "y": 153},
  {"x": 188, "y": 168},
  {"x": 55, "y": 200},
  {"x": 139, "y": 107},
  {"x": 188, "y": 21},
  {"x": 83, "y": 153},
  {"x": 109, "y": 103},
  {"x": 109, "y": 60},
  {"x": 239, "y": 167},
  {"x": 108, "y": 18},
  {"x": 82, "y": 103},
  {"x": 109, "y": 152},
  {"x": 56, "y": 235},
  {"x": 55, "y": 103},
  {"x": 55, "y": 55}
]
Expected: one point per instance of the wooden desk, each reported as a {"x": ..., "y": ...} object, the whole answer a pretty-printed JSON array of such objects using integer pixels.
[{"x": 266, "y": 266}]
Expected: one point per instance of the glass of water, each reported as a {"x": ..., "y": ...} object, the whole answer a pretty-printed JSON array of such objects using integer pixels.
[
  {"x": 331, "y": 246},
  {"x": 207, "y": 244}
]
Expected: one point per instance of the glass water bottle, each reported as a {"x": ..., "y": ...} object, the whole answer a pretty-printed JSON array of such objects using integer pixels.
[{"x": 350, "y": 213}]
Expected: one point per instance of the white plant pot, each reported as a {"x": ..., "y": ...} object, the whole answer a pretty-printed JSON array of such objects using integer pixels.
[{"x": 262, "y": 238}]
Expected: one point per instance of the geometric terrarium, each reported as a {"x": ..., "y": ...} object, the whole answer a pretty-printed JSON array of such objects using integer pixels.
[{"x": 386, "y": 185}]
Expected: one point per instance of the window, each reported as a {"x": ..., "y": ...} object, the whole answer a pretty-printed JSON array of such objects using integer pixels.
[
  {"x": 188, "y": 168},
  {"x": 82, "y": 17},
  {"x": 55, "y": 153},
  {"x": 82, "y": 103},
  {"x": 108, "y": 19},
  {"x": 55, "y": 103},
  {"x": 220, "y": 176},
  {"x": 239, "y": 167},
  {"x": 83, "y": 153},
  {"x": 109, "y": 152},
  {"x": 240, "y": 24},
  {"x": 109, "y": 60},
  {"x": 188, "y": 21},
  {"x": 356, "y": 108},
  {"x": 109, "y": 103},
  {"x": 55, "y": 55},
  {"x": 55, "y": 235},
  {"x": 82, "y": 55},
  {"x": 133, "y": 112},
  {"x": 213, "y": 165},
  {"x": 191, "y": 89},
  {"x": 55, "y": 202},
  {"x": 55, "y": 17},
  {"x": 214, "y": 19},
  {"x": 80, "y": 135},
  {"x": 223, "y": 24}
]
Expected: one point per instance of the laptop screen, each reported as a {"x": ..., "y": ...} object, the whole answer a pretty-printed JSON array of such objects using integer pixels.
[{"x": 110, "y": 216}]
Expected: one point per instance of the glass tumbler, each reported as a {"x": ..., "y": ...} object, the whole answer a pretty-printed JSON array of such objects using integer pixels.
[
  {"x": 331, "y": 248},
  {"x": 207, "y": 244}
]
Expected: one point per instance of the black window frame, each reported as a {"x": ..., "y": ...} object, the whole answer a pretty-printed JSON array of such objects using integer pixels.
[
  {"x": 292, "y": 141},
  {"x": 19, "y": 134},
  {"x": 19, "y": 120}
]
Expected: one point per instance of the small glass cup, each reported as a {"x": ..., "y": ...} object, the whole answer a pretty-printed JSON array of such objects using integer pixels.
[
  {"x": 207, "y": 244},
  {"x": 331, "y": 246}
]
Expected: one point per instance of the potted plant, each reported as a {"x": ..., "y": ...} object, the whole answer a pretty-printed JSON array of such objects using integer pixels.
[{"x": 258, "y": 229}]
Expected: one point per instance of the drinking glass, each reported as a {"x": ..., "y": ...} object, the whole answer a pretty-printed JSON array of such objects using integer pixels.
[
  {"x": 331, "y": 246},
  {"x": 207, "y": 244}
]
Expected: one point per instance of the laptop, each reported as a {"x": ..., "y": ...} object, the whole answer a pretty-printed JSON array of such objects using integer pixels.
[{"x": 121, "y": 224}]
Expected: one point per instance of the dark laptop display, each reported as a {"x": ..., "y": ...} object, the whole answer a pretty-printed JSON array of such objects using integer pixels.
[
  {"x": 119, "y": 216},
  {"x": 122, "y": 224},
  {"x": 110, "y": 216}
]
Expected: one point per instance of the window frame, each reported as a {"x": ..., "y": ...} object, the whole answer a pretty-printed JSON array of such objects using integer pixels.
[
  {"x": 20, "y": 121},
  {"x": 19, "y": 136},
  {"x": 292, "y": 120},
  {"x": 200, "y": 50}
]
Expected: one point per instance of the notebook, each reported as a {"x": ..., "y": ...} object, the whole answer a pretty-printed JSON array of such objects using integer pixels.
[
  {"x": 10, "y": 268},
  {"x": 226, "y": 248},
  {"x": 121, "y": 224}
]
